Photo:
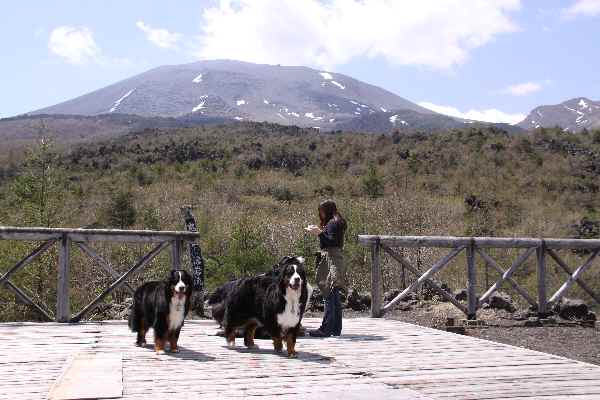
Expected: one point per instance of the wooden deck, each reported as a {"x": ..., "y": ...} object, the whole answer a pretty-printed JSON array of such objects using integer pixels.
[{"x": 375, "y": 358}]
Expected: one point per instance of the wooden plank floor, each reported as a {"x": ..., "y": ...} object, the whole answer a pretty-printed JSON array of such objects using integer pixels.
[{"x": 375, "y": 358}]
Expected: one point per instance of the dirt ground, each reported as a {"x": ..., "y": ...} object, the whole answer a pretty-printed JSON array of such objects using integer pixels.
[{"x": 567, "y": 339}]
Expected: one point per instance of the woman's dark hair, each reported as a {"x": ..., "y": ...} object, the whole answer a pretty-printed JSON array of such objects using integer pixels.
[{"x": 329, "y": 212}]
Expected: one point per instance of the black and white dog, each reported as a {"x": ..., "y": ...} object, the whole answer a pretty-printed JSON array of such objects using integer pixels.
[
  {"x": 217, "y": 299},
  {"x": 275, "y": 301},
  {"x": 161, "y": 305}
]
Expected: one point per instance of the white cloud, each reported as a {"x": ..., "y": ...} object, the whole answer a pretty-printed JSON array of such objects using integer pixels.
[
  {"x": 588, "y": 8},
  {"x": 489, "y": 115},
  {"x": 433, "y": 33},
  {"x": 523, "y": 89},
  {"x": 75, "y": 44},
  {"x": 159, "y": 36}
]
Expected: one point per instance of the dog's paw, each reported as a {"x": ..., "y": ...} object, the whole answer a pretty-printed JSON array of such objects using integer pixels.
[
  {"x": 160, "y": 352},
  {"x": 293, "y": 355},
  {"x": 253, "y": 347},
  {"x": 231, "y": 344},
  {"x": 174, "y": 350}
]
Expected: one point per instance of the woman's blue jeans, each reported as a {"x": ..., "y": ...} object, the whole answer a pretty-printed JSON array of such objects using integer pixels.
[{"x": 332, "y": 319}]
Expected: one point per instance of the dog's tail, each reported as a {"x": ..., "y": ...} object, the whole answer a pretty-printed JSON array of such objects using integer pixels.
[
  {"x": 219, "y": 295},
  {"x": 135, "y": 313},
  {"x": 217, "y": 300}
]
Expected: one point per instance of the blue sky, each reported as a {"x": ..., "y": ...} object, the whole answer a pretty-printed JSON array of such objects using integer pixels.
[{"x": 484, "y": 59}]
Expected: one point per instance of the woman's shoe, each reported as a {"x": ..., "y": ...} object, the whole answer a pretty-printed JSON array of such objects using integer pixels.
[{"x": 319, "y": 333}]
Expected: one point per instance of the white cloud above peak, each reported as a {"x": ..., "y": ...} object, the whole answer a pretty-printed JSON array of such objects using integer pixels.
[
  {"x": 159, "y": 36},
  {"x": 523, "y": 89},
  {"x": 75, "y": 44},
  {"x": 433, "y": 33},
  {"x": 486, "y": 115},
  {"x": 588, "y": 8}
]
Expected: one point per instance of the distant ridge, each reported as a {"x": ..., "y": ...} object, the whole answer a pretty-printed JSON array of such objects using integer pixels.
[{"x": 572, "y": 115}]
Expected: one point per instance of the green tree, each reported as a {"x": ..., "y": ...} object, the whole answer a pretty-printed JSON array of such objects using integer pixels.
[
  {"x": 372, "y": 183},
  {"x": 151, "y": 218},
  {"x": 121, "y": 212},
  {"x": 246, "y": 254},
  {"x": 38, "y": 194},
  {"x": 40, "y": 188}
]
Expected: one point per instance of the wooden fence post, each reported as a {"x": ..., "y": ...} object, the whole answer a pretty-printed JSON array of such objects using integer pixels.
[
  {"x": 196, "y": 261},
  {"x": 376, "y": 300},
  {"x": 541, "y": 280},
  {"x": 63, "y": 307},
  {"x": 176, "y": 254},
  {"x": 472, "y": 282}
]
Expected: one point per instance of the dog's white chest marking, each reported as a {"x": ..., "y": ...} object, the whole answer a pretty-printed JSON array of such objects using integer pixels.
[
  {"x": 176, "y": 312},
  {"x": 177, "y": 308},
  {"x": 291, "y": 314}
]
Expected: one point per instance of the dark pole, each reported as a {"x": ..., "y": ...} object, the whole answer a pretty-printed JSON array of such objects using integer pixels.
[{"x": 197, "y": 263}]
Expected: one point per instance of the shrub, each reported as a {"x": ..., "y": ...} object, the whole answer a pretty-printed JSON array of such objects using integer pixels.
[
  {"x": 282, "y": 193},
  {"x": 151, "y": 218},
  {"x": 120, "y": 212},
  {"x": 246, "y": 253},
  {"x": 372, "y": 183}
]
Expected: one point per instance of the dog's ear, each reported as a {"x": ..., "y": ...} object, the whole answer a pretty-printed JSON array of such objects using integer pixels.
[
  {"x": 300, "y": 259},
  {"x": 285, "y": 260},
  {"x": 281, "y": 279}
]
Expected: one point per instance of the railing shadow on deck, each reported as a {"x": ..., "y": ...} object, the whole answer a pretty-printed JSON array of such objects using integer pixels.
[
  {"x": 477, "y": 246},
  {"x": 65, "y": 238}
]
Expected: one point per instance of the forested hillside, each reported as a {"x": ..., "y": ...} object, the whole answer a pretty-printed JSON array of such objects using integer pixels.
[{"x": 254, "y": 186}]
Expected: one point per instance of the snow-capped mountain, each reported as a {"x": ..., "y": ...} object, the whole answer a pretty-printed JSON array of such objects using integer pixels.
[
  {"x": 572, "y": 115},
  {"x": 241, "y": 91}
]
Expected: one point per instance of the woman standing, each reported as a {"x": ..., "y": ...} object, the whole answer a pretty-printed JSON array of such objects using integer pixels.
[{"x": 331, "y": 272}]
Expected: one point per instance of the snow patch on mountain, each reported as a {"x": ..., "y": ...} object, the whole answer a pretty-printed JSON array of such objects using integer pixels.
[
  {"x": 197, "y": 79},
  {"x": 240, "y": 102},
  {"x": 394, "y": 120},
  {"x": 117, "y": 103},
  {"x": 326, "y": 75},
  {"x": 200, "y": 106},
  {"x": 312, "y": 116},
  {"x": 338, "y": 85}
]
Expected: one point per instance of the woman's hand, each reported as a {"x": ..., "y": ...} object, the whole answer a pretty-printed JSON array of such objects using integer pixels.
[{"x": 313, "y": 229}]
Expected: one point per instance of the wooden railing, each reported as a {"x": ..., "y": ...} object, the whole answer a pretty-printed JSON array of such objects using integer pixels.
[
  {"x": 477, "y": 246},
  {"x": 81, "y": 238}
]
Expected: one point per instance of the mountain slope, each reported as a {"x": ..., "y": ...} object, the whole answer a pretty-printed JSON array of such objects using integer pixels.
[
  {"x": 69, "y": 128},
  {"x": 243, "y": 91},
  {"x": 412, "y": 121},
  {"x": 572, "y": 115}
]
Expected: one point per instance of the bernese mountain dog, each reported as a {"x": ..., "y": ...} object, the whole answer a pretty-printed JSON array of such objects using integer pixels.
[
  {"x": 217, "y": 299},
  {"x": 275, "y": 301},
  {"x": 161, "y": 305}
]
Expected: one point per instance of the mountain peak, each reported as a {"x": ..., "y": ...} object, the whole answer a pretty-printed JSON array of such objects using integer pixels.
[
  {"x": 288, "y": 95},
  {"x": 572, "y": 115}
]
